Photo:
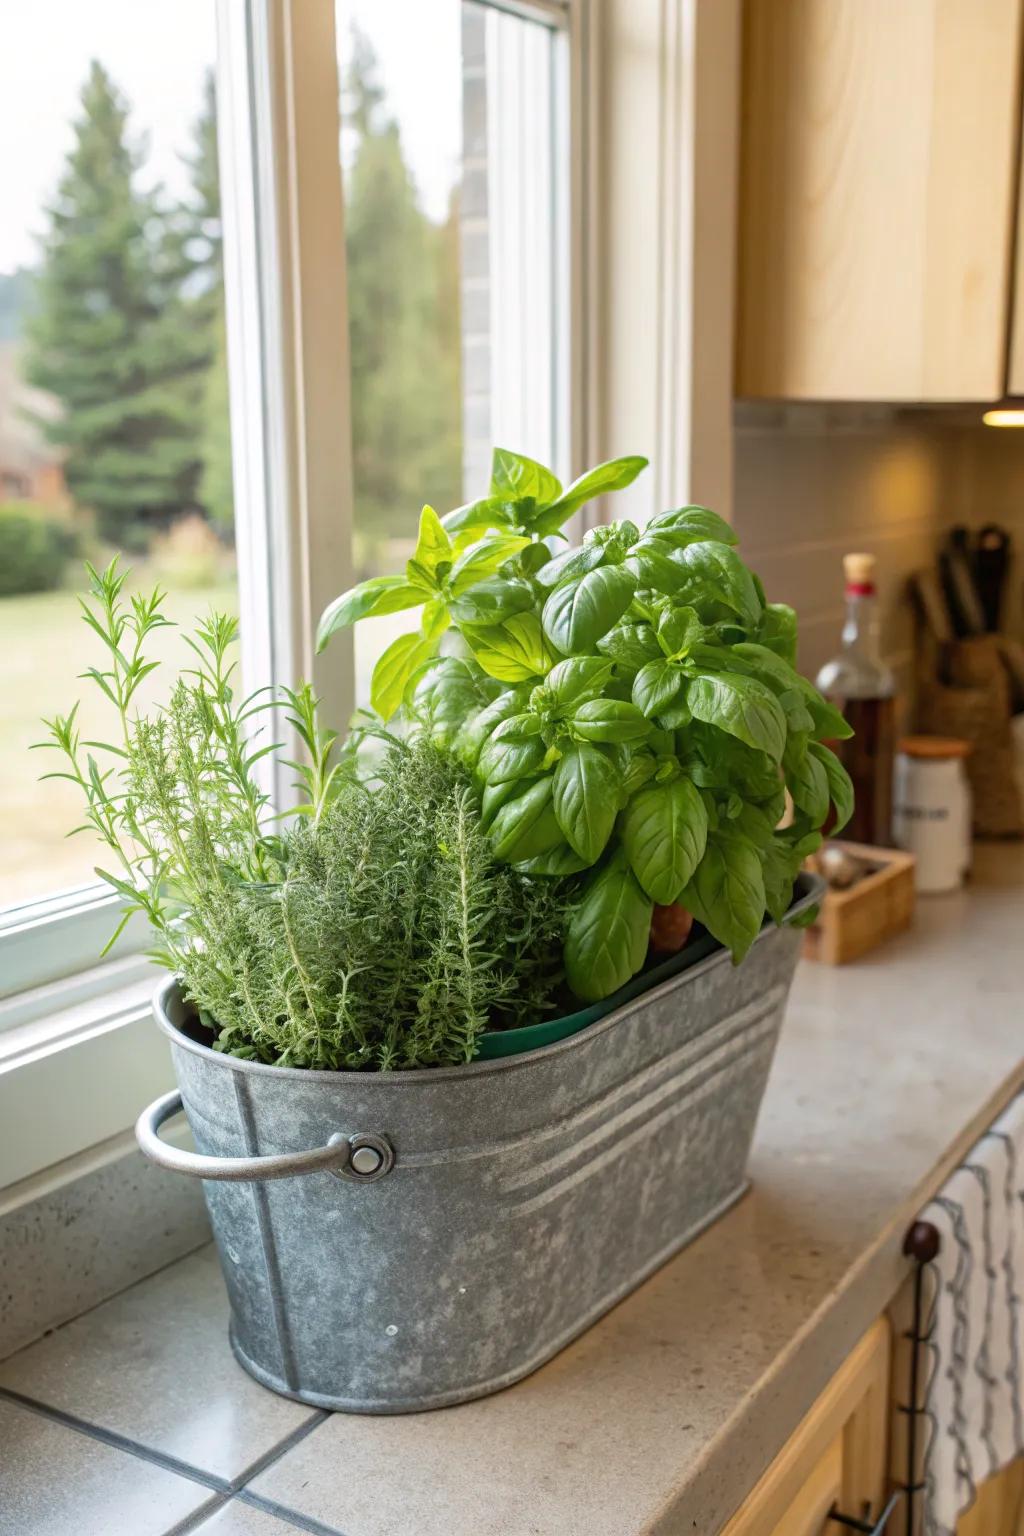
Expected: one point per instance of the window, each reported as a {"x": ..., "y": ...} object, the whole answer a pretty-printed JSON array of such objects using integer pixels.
[
  {"x": 456, "y": 187},
  {"x": 114, "y": 431},
  {"x": 448, "y": 124}
]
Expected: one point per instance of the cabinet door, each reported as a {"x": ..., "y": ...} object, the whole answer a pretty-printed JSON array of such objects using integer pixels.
[
  {"x": 837, "y": 1454},
  {"x": 999, "y": 1507},
  {"x": 877, "y": 200}
]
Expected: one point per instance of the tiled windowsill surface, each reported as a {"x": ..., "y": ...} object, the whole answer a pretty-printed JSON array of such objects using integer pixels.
[{"x": 134, "y": 1420}]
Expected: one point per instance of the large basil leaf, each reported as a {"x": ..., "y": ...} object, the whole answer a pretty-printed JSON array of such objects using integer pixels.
[
  {"x": 656, "y": 685},
  {"x": 477, "y": 727},
  {"x": 610, "y": 720},
  {"x": 691, "y": 525},
  {"x": 779, "y": 869},
  {"x": 608, "y": 932},
  {"x": 514, "y": 750},
  {"x": 516, "y": 476},
  {"x": 574, "y": 681},
  {"x": 614, "y": 475},
  {"x": 777, "y": 630},
  {"x": 664, "y": 833},
  {"x": 715, "y": 571},
  {"x": 526, "y": 827},
  {"x": 394, "y": 670},
  {"x": 511, "y": 651},
  {"x": 448, "y": 691},
  {"x": 726, "y": 892},
  {"x": 381, "y": 594},
  {"x": 578, "y": 613},
  {"x": 476, "y": 517},
  {"x": 840, "y": 785},
  {"x": 807, "y": 782},
  {"x": 743, "y": 707},
  {"x": 575, "y": 562},
  {"x": 586, "y": 798},
  {"x": 556, "y": 863},
  {"x": 491, "y": 602},
  {"x": 494, "y": 796},
  {"x": 633, "y": 645}
]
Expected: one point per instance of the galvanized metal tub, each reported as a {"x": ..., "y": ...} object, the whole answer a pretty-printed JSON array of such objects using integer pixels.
[{"x": 395, "y": 1242}]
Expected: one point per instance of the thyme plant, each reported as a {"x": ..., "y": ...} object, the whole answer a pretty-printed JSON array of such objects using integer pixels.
[{"x": 371, "y": 927}]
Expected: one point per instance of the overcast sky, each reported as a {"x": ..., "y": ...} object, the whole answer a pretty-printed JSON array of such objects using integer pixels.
[{"x": 157, "y": 53}]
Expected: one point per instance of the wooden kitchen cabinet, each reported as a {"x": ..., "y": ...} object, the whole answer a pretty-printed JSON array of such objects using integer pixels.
[
  {"x": 877, "y": 199},
  {"x": 837, "y": 1456}
]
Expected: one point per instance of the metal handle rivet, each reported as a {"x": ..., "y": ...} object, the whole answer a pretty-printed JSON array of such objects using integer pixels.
[{"x": 366, "y": 1160}]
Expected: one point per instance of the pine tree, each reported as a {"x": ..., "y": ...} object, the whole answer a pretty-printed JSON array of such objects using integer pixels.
[
  {"x": 403, "y": 325},
  {"x": 205, "y": 248},
  {"x": 108, "y": 338}
]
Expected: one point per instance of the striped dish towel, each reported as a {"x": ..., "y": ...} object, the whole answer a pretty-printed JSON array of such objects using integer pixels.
[{"x": 973, "y": 1401}]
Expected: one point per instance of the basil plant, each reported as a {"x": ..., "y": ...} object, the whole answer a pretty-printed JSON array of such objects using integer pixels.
[{"x": 629, "y": 708}]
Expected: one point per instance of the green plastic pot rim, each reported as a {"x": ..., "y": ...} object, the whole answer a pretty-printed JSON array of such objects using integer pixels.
[{"x": 810, "y": 889}]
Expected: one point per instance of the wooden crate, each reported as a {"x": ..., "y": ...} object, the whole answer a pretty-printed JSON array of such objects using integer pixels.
[{"x": 881, "y": 903}]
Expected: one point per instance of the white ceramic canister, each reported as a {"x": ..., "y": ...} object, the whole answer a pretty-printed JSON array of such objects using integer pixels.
[{"x": 932, "y": 809}]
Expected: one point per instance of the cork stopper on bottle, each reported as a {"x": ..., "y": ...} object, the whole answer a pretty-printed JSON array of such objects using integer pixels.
[{"x": 859, "y": 571}]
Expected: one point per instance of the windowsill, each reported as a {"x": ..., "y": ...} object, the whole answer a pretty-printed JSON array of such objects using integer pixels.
[{"x": 79, "y": 1058}]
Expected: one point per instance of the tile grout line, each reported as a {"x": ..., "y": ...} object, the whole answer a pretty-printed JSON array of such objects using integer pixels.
[
  {"x": 118, "y": 1442},
  {"x": 275, "y": 1453},
  {"x": 289, "y": 1516},
  {"x": 198, "y": 1518}
]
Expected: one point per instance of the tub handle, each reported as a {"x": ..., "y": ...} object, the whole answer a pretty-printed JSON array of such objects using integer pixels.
[{"x": 362, "y": 1157}]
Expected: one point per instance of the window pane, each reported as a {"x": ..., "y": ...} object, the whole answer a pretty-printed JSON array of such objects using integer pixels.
[
  {"x": 113, "y": 392},
  {"x": 455, "y": 175}
]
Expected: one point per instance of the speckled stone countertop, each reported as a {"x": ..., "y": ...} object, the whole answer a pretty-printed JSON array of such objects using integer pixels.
[{"x": 662, "y": 1416}]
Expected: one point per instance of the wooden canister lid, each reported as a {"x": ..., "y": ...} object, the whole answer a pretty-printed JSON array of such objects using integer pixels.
[{"x": 934, "y": 748}]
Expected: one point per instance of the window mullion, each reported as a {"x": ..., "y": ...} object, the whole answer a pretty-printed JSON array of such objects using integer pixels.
[{"x": 287, "y": 339}]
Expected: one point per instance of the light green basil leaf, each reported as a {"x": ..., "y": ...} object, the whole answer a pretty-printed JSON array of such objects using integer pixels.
[
  {"x": 433, "y": 544},
  {"x": 610, "y": 720},
  {"x": 656, "y": 686},
  {"x": 511, "y": 651},
  {"x": 664, "y": 833},
  {"x": 716, "y": 572},
  {"x": 394, "y": 670},
  {"x": 483, "y": 559},
  {"x": 477, "y": 517},
  {"x": 514, "y": 475},
  {"x": 727, "y": 893},
  {"x": 840, "y": 785},
  {"x": 434, "y": 619},
  {"x": 490, "y": 602},
  {"x": 743, "y": 707},
  {"x": 381, "y": 594},
  {"x": 494, "y": 796},
  {"x": 578, "y": 613},
  {"x": 829, "y": 724},
  {"x": 608, "y": 932},
  {"x": 691, "y": 525},
  {"x": 586, "y": 798},
  {"x": 614, "y": 475}
]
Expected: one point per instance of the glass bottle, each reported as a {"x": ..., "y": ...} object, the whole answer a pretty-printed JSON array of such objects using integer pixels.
[{"x": 859, "y": 683}]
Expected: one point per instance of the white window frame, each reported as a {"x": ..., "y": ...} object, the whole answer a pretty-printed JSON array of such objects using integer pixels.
[{"x": 66, "y": 1020}]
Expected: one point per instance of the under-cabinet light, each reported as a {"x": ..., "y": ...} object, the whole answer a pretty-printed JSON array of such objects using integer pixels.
[{"x": 1004, "y": 418}]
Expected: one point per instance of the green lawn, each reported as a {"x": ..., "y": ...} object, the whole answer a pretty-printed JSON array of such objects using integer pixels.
[{"x": 43, "y": 646}]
